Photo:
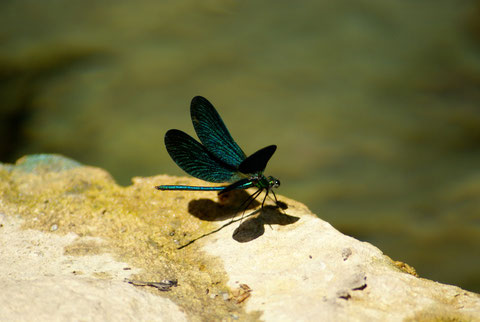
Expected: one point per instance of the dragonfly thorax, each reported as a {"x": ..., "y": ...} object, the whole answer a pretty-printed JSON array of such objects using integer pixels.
[{"x": 263, "y": 182}]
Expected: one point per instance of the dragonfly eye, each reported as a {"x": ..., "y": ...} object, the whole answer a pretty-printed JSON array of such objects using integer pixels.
[
  {"x": 277, "y": 183},
  {"x": 274, "y": 183}
]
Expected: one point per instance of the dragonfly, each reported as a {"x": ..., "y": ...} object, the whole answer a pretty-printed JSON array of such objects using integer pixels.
[{"x": 218, "y": 158}]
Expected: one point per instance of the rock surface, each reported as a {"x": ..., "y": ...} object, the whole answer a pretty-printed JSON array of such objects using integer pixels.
[{"x": 69, "y": 237}]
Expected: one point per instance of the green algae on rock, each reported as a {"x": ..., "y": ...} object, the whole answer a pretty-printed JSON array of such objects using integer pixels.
[
  {"x": 45, "y": 163},
  {"x": 135, "y": 224}
]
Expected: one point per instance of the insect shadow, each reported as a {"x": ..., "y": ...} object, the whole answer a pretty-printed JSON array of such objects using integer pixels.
[
  {"x": 251, "y": 226},
  {"x": 228, "y": 206}
]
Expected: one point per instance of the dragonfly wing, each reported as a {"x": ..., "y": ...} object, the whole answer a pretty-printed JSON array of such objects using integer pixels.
[
  {"x": 257, "y": 162},
  {"x": 213, "y": 133},
  {"x": 195, "y": 160}
]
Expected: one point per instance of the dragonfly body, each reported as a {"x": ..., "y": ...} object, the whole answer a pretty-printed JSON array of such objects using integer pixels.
[
  {"x": 261, "y": 182},
  {"x": 217, "y": 158}
]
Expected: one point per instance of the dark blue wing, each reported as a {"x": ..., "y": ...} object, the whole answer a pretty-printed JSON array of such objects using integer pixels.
[
  {"x": 257, "y": 161},
  {"x": 213, "y": 133},
  {"x": 195, "y": 160}
]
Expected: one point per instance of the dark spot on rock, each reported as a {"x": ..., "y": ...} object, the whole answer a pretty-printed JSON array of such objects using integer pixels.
[{"x": 360, "y": 288}]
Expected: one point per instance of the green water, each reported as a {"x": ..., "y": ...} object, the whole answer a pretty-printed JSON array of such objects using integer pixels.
[{"x": 374, "y": 105}]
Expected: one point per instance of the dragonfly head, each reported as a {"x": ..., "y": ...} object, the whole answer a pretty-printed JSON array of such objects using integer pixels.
[{"x": 273, "y": 182}]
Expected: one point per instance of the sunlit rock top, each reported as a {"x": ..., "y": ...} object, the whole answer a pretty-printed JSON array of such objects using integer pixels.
[{"x": 75, "y": 245}]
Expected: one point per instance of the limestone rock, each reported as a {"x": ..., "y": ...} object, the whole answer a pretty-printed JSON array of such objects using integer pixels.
[{"x": 70, "y": 237}]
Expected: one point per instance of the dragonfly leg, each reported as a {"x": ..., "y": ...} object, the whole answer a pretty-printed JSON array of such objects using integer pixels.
[
  {"x": 276, "y": 203},
  {"x": 253, "y": 196},
  {"x": 274, "y": 198},
  {"x": 265, "y": 198},
  {"x": 250, "y": 199}
]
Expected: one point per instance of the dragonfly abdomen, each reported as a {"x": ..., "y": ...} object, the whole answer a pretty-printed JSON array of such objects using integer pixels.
[{"x": 179, "y": 187}]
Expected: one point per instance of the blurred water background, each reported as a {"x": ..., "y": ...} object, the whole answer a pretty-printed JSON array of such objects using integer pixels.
[{"x": 374, "y": 104}]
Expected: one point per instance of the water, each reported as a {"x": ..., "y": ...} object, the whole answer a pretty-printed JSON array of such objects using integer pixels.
[{"x": 373, "y": 104}]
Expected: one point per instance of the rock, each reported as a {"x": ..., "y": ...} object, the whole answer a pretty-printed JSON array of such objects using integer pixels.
[{"x": 270, "y": 265}]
